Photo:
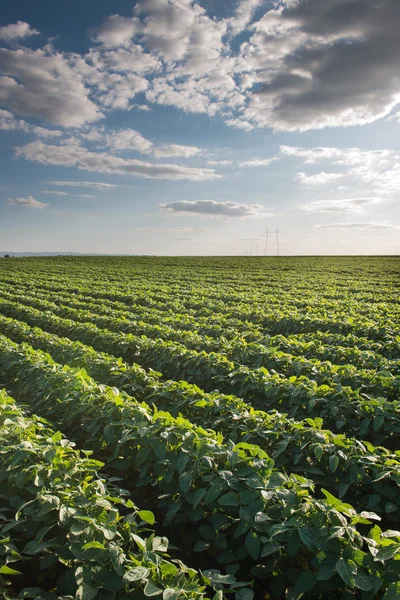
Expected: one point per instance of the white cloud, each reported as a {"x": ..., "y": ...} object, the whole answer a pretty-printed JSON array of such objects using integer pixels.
[
  {"x": 91, "y": 184},
  {"x": 366, "y": 226},
  {"x": 377, "y": 169},
  {"x": 54, "y": 193},
  {"x": 169, "y": 150},
  {"x": 317, "y": 178},
  {"x": 342, "y": 205},
  {"x": 9, "y": 123},
  {"x": 312, "y": 155},
  {"x": 175, "y": 229},
  {"x": 257, "y": 162},
  {"x": 239, "y": 124},
  {"x": 41, "y": 83},
  {"x": 46, "y": 133},
  {"x": 181, "y": 29},
  {"x": 101, "y": 162},
  {"x": 297, "y": 54},
  {"x": 211, "y": 208},
  {"x": 132, "y": 59},
  {"x": 84, "y": 196},
  {"x": 128, "y": 139},
  {"x": 28, "y": 202},
  {"x": 17, "y": 31},
  {"x": 222, "y": 163},
  {"x": 116, "y": 31},
  {"x": 243, "y": 15}
]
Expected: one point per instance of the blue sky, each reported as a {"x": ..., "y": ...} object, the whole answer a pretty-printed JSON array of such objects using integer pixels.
[{"x": 190, "y": 127}]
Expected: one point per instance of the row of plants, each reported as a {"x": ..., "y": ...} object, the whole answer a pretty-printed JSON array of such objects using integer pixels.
[
  {"x": 67, "y": 532},
  {"x": 341, "y": 408},
  {"x": 228, "y": 499},
  {"x": 240, "y": 351},
  {"x": 200, "y": 295},
  {"x": 238, "y": 340},
  {"x": 293, "y": 320},
  {"x": 336, "y": 347},
  {"x": 359, "y": 473}
]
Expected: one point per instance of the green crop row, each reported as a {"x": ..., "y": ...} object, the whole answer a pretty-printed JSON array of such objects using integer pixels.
[
  {"x": 341, "y": 408},
  {"x": 66, "y": 532},
  {"x": 365, "y": 476},
  {"x": 293, "y": 320},
  {"x": 375, "y": 382},
  {"x": 243, "y": 513}
]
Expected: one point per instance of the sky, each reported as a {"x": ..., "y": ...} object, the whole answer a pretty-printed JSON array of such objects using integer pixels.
[{"x": 186, "y": 127}]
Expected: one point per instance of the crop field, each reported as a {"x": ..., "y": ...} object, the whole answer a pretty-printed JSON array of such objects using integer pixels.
[{"x": 200, "y": 428}]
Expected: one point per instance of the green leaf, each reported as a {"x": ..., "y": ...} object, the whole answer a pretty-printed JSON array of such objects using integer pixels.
[
  {"x": 229, "y": 499},
  {"x": 96, "y": 545},
  {"x": 213, "y": 493},
  {"x": 4, "y": 570},
  {"x": 387, "y": 552},
  {"x": 147, "y": 516},
  {"x": 86, "y": 592},
  {"x": 347, "y": 570},
  {"x": 305, "y": 582},
  {"x": 333, "y": 462},
  {"x": 393, "y": 591},
  {"x": 200, "y": 546},
  {"x": 244, "y": 594},
  {"x": 363, "y": 582},
  {"x": 185, "y": 481},
  {"x": 171, "y": 594},
  {"x": 253, "y": 545},
  {"x": 136, "y": 574},
  {"x": 151, "y": 589}
]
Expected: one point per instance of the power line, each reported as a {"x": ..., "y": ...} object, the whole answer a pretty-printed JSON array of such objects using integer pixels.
[
  {"x": 380, "y": 211},
  {"x": 366, "y": 198}
]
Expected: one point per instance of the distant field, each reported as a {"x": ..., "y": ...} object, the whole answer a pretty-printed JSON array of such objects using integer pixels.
[{"x": 249, "y": 406}]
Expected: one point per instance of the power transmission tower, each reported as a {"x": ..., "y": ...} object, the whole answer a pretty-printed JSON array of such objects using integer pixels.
[
  {"x": 277, "y": 241},
  {"x": 266, "y": 242}
]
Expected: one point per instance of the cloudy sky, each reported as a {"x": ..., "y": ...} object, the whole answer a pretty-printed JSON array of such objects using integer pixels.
[{"x": 192, "y": 126}]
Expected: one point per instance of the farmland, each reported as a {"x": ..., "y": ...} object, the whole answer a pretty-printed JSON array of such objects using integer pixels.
[{"x": 198, "y": 428}]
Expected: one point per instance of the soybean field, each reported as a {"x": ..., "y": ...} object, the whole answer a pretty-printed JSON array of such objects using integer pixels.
[{"x": 200, "y": 428}]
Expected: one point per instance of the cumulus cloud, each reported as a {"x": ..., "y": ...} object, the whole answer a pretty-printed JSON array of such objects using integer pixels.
[
  {"x": 41, "y": 83},
  {"x": 317, "y": 178},
  {"x": 28, "y": 202},
  {"x": 116, "y": 30},
  {"x": 211, "y": 208},
  {"x": 244, "y": 13},
  {"x": 17, "y": 31},
  {"x": 170, "y": 150},
  {"x": 91, "y": 184},
  {"x": 47, "y": 133},
  {"x": 128, "y": 139},
  {"x": 101, "y": 162},
  {"x": 298, "y": 52},
  {"x": 377, "y": 169},
  {"x": 342, "y": 205},
  {"x": 287, "y": 74},
  {"x": 9, "y": 123}
]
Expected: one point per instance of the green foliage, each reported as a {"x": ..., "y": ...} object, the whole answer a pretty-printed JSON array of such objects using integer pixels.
[
  {"x": 62, "y": 527},
  {"x": 258, "y": 415}
]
